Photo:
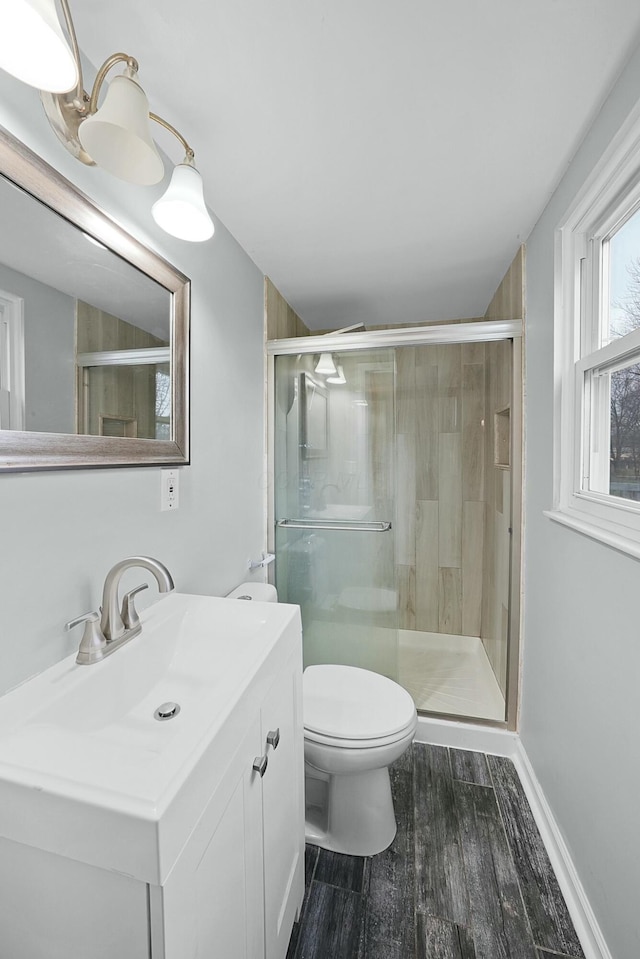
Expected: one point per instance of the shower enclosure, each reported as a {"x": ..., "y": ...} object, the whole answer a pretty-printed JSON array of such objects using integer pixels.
[{"x": 396, "y": 505}]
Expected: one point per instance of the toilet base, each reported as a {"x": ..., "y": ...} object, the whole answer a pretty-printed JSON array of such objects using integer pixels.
[{"x": 351, "y": 814}]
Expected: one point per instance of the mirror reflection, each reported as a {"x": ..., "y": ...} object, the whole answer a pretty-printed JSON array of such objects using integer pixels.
[{"x": 84, "y": 335}]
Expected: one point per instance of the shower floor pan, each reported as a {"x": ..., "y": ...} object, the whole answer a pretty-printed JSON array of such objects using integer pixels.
[{"x": 449, "y": 674}]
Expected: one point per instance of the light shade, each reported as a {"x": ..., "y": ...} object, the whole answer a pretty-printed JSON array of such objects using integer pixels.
[
  {"x": 118, "y": 137},
  {"x": 339, "y": 378},
  {"x": 326, "y": 366},
  {"x": 34, "y": 48},
  {"x": 182, "y": 211}
]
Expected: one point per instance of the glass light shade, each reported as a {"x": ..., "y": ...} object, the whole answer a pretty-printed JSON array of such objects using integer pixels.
[
  {"x": 325, "y": 365},
  {"x": 118, "y": 137},
  {"x": 34, "y": 48},
  {"x": 182, "y": 211},
  {"x": 339, "y": 378}
]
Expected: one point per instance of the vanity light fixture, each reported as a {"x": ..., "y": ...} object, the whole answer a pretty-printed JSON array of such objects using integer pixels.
[
  {"x": 115, "y": 136},
  {"x": 325, "y": 365},
  {"x": 34, "y": 48}
]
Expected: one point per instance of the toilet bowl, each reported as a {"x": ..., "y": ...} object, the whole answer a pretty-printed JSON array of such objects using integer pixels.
[{"x": 356, "y": 723}]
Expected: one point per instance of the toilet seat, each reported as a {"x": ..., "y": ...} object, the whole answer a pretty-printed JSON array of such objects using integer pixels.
[
  {"x": 343, "y": 743},
  {"x": 353, "y": 708}
]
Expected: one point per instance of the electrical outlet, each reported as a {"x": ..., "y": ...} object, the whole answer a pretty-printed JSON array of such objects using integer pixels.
[{"x": 169, "y": 489}]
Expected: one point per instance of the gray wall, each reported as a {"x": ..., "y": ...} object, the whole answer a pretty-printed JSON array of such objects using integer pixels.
[
  {"x": 62, "y": 531},
  {"x": 49, "y": 346},
  {"x": 581, "y": 700}
]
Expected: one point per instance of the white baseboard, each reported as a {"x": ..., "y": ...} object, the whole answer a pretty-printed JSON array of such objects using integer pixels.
[
  {"x": 479, "y": 739},
  {"x": 499, "y": 742},
  {"x": 584, "y": 920}
]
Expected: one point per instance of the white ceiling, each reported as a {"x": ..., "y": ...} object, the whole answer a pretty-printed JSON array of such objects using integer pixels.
[{"x": 380, "y": 160}]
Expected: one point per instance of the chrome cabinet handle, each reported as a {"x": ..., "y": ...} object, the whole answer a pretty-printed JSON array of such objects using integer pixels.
[
  {"x": 273, "y": 737},
  {"x": 260, "y": 765}
]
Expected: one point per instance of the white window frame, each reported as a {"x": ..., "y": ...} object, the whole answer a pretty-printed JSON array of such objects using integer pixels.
[
  {"x": 12, "y": 369},
  {"x": 607, "y": 199}
]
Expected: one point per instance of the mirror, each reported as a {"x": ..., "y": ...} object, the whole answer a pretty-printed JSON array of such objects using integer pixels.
[{"x": 94, "y": 331}]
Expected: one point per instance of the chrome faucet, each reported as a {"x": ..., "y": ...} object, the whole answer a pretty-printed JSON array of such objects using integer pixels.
[
  {"x": 113, "y": 623},
  {"x": 117, "y": 626}
]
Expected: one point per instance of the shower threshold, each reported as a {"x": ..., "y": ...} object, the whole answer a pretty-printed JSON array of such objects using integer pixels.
[{"x": 449, "y": 674}]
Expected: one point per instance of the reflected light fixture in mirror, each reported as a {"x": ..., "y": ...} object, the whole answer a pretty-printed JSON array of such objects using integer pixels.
[
  {"x": 339, "y": 379},
  {"x": 115, "y": 136},
  {"x": 325, "y": 365}
]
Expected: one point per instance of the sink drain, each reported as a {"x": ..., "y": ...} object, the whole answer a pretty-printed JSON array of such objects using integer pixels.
[{"x": 166, "y": 711}]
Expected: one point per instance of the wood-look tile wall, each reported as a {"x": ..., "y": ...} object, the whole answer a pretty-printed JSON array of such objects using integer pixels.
[
  {"x": 440, "y": 489},
  {"x": 124, "y": 394},
  {"x": 507, "y": 304},
  {"x": 281, "y": 320},
  {"x": 452, "y": 512}
]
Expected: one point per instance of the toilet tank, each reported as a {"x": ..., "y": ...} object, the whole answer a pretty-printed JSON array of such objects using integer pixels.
[{"x": 260, "y": 592}]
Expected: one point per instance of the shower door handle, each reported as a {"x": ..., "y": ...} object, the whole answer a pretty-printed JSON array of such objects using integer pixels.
[{"x": 328, "y": 524}]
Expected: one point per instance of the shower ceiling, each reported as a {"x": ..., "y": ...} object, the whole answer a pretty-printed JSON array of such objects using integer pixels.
[{"x": 379, "y": 161}]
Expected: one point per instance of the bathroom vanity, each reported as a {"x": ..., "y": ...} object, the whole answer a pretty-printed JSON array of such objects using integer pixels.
[{"x": 123, "y": 834}]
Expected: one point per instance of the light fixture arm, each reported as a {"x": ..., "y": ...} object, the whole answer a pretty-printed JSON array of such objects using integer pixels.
[
  {"x": 71, "y": 30},
  {"x": 189, "y": 154},
  {"x": 132, "y": 65}
]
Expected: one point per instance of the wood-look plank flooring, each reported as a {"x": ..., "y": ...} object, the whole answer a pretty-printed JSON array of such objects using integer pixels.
[{"x": 467, "y": 876}]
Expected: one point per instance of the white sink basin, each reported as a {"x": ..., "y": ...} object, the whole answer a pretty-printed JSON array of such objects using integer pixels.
[{"x": 82, "y": 756}]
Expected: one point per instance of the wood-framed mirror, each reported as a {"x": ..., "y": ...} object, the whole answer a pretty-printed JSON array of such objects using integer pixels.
[{"x": 94, "y": 331}]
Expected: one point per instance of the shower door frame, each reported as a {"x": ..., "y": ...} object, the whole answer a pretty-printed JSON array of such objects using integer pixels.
[{"x": 480, "y": 331}]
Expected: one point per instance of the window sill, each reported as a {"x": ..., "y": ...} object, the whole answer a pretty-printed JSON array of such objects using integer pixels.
[{"x": 610, "y": 534}]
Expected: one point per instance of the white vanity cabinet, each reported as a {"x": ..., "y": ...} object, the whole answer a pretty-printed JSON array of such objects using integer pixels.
[
  {"x": 238, "y": 884},
  {"x": 174, "y": 846}
]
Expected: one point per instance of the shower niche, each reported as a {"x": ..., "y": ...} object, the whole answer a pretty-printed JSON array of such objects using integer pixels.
[{"x": 502, "y": 436}]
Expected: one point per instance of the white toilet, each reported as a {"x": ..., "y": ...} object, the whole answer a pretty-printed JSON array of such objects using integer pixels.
[{"x": 356, "y": 723}]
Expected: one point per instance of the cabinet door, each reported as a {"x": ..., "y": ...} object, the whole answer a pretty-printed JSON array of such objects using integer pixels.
[
  {"x": 211, "y": 906},
  {"x": 283, "y": 809}
]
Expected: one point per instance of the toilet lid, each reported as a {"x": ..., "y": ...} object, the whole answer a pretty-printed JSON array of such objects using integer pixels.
[{"x": 346, "y": 702}]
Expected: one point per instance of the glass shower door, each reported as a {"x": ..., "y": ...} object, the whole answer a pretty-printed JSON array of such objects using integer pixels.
[{"x": 335, "y": 494}]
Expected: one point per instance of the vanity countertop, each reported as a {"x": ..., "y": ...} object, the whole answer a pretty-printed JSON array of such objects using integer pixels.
[{"x": 87, "y": 772}]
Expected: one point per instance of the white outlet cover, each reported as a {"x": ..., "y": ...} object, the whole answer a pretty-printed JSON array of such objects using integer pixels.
[{"x": 169, "y": 490}]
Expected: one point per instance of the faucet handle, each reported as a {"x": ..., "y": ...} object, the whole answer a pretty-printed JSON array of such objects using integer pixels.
[
  {"x": 93, "y": 643},
  {"x": 91, "y": 617},
  {"x": 129, "y": 612}
]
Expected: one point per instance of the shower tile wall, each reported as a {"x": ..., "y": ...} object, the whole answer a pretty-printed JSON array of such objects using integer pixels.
[
  {"x": 495, "y": 605},
  {"x": 507, "y": 304},
  {"x": 440, "y": 487},
  {"x": 281, "y": 320}
]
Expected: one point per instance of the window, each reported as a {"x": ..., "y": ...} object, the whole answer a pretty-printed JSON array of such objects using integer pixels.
[
  {"x": 163, "y": 403},
  {"x": 597, "y": 317},
  {"x": 12, "y": 409}
]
